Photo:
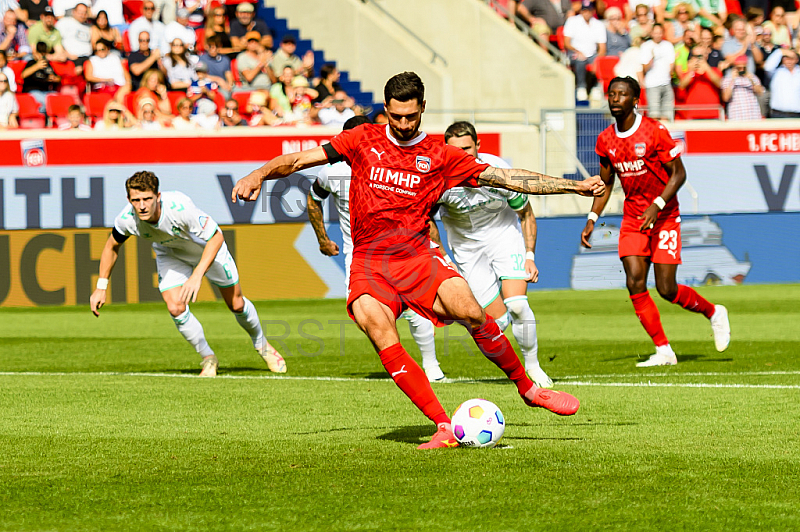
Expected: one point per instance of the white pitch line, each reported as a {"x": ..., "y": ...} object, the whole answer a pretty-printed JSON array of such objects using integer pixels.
[
  {"x": 685, "y": 374},
  {"x": 683, "y": 385}
]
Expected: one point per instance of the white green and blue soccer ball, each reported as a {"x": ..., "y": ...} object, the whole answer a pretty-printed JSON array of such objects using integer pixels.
[{"x": 478, "y": 423}]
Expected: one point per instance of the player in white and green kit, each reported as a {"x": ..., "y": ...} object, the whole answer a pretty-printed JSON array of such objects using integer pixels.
[
  {"x": 188, "y": 245},
  {"x": 492, "y": 237}
]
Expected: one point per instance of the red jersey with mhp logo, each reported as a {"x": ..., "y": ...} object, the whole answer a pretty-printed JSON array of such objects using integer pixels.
[
  {"x": 638, "y": 156},
  {"x": 395, "y": 185}
]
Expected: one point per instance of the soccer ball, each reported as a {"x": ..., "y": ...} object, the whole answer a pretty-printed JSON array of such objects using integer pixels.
[{"x": 478, "y": 423}]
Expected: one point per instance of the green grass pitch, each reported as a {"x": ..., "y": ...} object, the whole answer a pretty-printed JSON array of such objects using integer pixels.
[{"x": 104, "y": 425}]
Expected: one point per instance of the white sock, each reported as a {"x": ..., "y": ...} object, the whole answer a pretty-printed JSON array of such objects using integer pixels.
[
  {"x": 248, "y": 320},
  {"x": 191, "y": 329},
  {"x": 524, "y": 328},
  {"x": 503, "y": 321},
  {"x": 422, "y": 331}
]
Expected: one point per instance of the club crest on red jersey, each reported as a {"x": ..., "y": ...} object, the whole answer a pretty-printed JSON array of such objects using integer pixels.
[
  {"x": 423, "y": 164},
  {"x": 639, "y": 149}
]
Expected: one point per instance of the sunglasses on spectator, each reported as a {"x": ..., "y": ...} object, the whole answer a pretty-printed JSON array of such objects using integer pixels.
[
  {"x": 101, "y": 49},
  {"x": 229, "y": 108},
  {"x": 151, "y": 8},
  {"x": 683, "y": 12},
  {"x": 144, "y": 40},
  {"x": 3, "y": 81}
]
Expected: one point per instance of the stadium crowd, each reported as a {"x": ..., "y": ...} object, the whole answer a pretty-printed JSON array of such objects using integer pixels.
[
  {"x": 157, "y": 64},
  {"x": 691, "y": 57}
]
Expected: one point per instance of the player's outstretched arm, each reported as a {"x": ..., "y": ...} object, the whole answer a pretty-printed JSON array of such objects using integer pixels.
[
  {"x": 528, "y": 182},
  {"x": 249, "y": 187},
  {"x": 314, "y": 210},
  {"x": 107, "y": 261},
  {"x": 599, "y": 203},
  {"x": 677, "y": 177},
  {"x": 527, "y": 221}
]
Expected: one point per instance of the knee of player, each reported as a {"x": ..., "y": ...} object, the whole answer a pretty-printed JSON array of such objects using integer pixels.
[
  {"x": 236, "y": 304},
  {"x": 636, "y": 286},
  {"x": 668, "y": 292},
  {"x": 474, "y": 315},
  {"x": 517, "y": 307},
  {"x": 176, "y": 308}
]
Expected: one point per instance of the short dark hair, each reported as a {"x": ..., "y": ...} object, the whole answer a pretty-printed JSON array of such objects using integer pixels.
[
  {"x": 3, "y": 53},
  {"x": 355, "y": 122},
  {"x": 143, "y": 181},
  {"x": 633, "y": 85},
  {"x": 215, "y": 39},
  {"x": 105, "y": 42},
  {"x": 404, "y": 87},
  {"x": 657, "y": 25},
  {"x": 461, "y": 129},
  {"x": 326, "y": 70},
  {"x": 74, "y": 107},
  {"x": 42, "y": 48}
]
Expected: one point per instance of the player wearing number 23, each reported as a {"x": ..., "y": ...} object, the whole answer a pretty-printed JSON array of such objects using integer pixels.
[{"x": 642, "y": 153}]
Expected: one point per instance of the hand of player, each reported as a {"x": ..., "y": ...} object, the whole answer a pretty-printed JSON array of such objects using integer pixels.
[
  {"x": 532, "y": 271},
  {"x": 586, "y": 234},
  {"x": 593, "y": 186},
  {"x": 190, "y": 288},
  {"x": 248, "y": 188},
  {"x": 329, "y": 248},
  {"x": 648, "y": 218},
  {"x": 97, "y": 300}
]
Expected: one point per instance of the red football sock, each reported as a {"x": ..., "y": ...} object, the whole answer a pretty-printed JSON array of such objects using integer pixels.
[
  {"x": 689, "y": 299},
  {"x": 495, "y": 346},
  {"x": 648, "y": 314},
  {"x": 410, "y": 378}
]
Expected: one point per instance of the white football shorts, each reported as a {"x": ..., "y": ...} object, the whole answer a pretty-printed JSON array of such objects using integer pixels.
[{"x": 174, "y": 272}]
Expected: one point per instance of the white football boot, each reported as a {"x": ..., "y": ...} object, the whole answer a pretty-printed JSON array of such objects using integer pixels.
[
  {"x": 539, "y": 377},
  {"x": 274, "y": 360},
  {"x": 210, "y": 365},
  {"x": 721, "y": 327},
  {"x": 434, "y": 373},
  {"x": 664, "y": 356}
]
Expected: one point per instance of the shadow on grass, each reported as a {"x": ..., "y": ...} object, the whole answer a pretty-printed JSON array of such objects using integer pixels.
[
  {"x": 415, "y": 434},
  {"x": 374, "y": 375}
]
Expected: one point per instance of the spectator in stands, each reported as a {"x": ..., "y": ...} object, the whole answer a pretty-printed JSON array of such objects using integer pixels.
[
  {"x": 252, "y": 65},
  {"x": 712, "y": 42},
  {"x": 380, "y": 118},
  {"x": 11, "y": 77},
  {"x": 14, "y": 37},
  {"x": 63, "y": 8},
  {"x": 246, "y": 23},
  {"x": 76, "y": 120},
  {"x": 739, "y": 43},
  {"x": 203, "y": 93},
  {"x": 328, "y": 83},
  {"x": 684, "y": 48},
  {"x": 642, "y": 22},
  {"x": 143, "y": 60},
  {"x": 114, "y": 14},
  {"x": 740, "y": 91},
  {"x": 219, "y": 65},
  {"x": 180, "y": 66},
  {"x": 699, "y": 86},
  {"x": 286, "y": 57},
  {"x": 102, "y": 30},
  {"x": 105, "y": 72},
  {"x": 781, "y": 34},
  {"x": 30, "y": 11},
  {"x": 339, "y": 112},
  {"x": 9, "y": 108},
  {"x": 154, "y": 87},
  {"x": 545, "y": 16},
  {"x": 146, "y": 116},
  {"x": 585, "y": 40},
  {"x": 76, "y": 36},
  {"x": 658, "y": 64},
  {"x": 784, "y": 86},
  {"x": 754, "y": 19},
  {"x": 231, "y": 116},
  {"x": 196, "y": 10},
  {"x": 262, "y": 110},
  {"x": 281, "y": 94},
  {"x": 712, "y": 13},
  {"x": 630, "y": 63},
  {"x": 115, "y": 116},
  {"x": 302, "y": 95},
  {"x": 681, "y": 22},
  {"x": 179, "y": 29},
  {"x": 215, "y": 27},
  {"x": 39, "y": 77},
  {"x": 185, "y": 121},
  {"x": 617, "y": 38},
  {"x": 45, "y": 31},
  {"x": 165, "y": 10},
  {"x": 155, "y": 28}
]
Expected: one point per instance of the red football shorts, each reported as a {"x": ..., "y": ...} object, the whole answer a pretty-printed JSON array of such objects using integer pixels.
[
  {"x": 400, "y": 283},
  {"x": 662, "y": 243}
]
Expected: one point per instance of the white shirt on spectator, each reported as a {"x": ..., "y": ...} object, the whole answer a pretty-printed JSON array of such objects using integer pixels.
[
  {"x": 109, "y": 67},
  {"x": 649, "y": 3},
  {"x": 585, "y": 36},
  {"x": 663, "y": 56},
  {"x": 785, "y": 86},
  {"x": 331, "y": 117},
  {"x": 113, "y": 9},
  {"x": 630, "y": 63},
  {"x": 60, "y": 7},
  {"x": 176, "y": 30},
  {"x": 156, "y": 31},
  {"x": 12, "y": 78},
  {"x": 8, "y": 107},
  {"x": 75, "y": 37},
  {"x": 5, "y": 5}
]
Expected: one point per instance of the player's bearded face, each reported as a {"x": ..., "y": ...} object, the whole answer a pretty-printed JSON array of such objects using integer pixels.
[
  {"x": 145, "y": 203},
  {"x": 404, "y": 118},
  {"x": 620, "y": 100}
]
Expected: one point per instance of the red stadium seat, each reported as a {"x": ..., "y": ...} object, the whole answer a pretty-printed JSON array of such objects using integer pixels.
[
  {"x": 200, "y": 37},
  {"x": 129, "y": 101},
  {"x": 56, "y": 106},
  {"x": 126, "y": 42},
  {"x": 174, "y": 96},
  {"x": 560, "y": 38},
  {"x": 242, "y": 98},
  {"x": 68, "y": 76},
  {"x": 219, "y": 99},
  {"x": 95, "y": 103},
  {"x": 604, "y": 70},
  {"x": 235, "y": 71},
  {"x": 29, "y": 115},
  {"x": 17, "y": 67},
  {"x": 132, "y": 9}
]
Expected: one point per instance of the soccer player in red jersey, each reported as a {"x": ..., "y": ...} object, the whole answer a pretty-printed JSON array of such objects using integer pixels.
[
  {"x": 641, "y": 152},
  {"x": 398, "y": 174}
]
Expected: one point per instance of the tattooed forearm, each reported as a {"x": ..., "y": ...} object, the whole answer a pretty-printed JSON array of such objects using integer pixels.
[
  {"x": 526, "y": 181},
  {"x": 315, "y": 217}
]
